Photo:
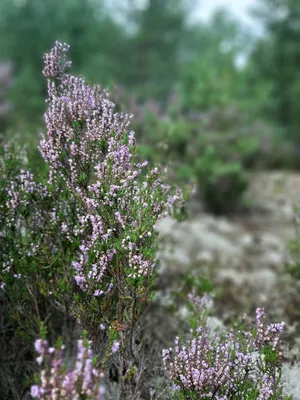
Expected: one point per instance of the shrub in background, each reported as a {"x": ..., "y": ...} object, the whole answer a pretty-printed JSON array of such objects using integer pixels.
[
  {"x": 200, "y": 149},
  {"x": 293, "y": 256},
  {"x": 222, "y": 184}
]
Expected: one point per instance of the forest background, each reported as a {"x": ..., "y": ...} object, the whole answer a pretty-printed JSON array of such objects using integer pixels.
[{"x": 192, "y": 81}]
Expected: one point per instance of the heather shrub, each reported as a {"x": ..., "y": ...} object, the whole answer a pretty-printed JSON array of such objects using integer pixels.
[
  {"x": 81, "y": 245},
  {"x": 239, "y": 363},
  {"x": 91, "y": 160},
  {"x": 16, "y": 303}
]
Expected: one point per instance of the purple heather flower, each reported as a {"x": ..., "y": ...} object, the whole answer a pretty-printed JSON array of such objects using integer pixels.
[
  {"x": 115, "y": 346},
  {"x": 35, "y": 391},
  {"x": 39, "y": 346},
  {"x": 101, "y": 392},
  {"x": 83, "y": 380},
  {"x": 218, "y": 364}
]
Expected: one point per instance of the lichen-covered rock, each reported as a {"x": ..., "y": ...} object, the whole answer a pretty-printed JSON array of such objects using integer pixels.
[{"x": 290, "y": 380}]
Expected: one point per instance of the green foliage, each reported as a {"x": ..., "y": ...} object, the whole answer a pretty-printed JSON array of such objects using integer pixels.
[
  {"x": 274, "y": 64},
  {"x": 222, "y": 184},
  {"x": 155, "y": 47},
  {"x": 29, "y": 28},
  {"x": 211, "y": 78}
]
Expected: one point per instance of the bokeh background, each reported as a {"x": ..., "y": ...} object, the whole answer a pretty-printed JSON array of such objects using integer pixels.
[{"x": 214, "y": 85}]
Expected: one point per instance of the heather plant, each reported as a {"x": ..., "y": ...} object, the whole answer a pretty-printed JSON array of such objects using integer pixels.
[
  {"x": 81, "y": 244},
  {"x": 236, "y": 364},
  {"x": 57, "y": 380},
  {"x": 21, "y": 221},
  {"x": 91, "y": 161}
]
